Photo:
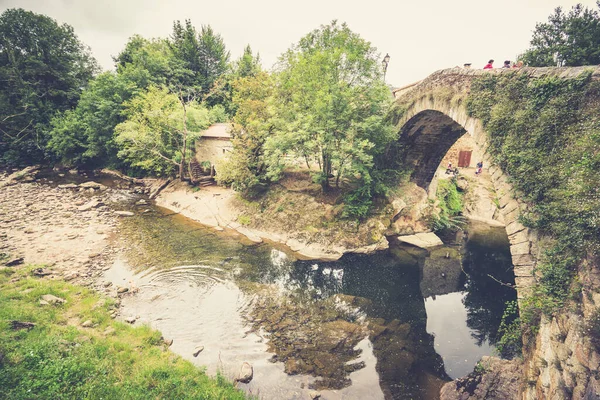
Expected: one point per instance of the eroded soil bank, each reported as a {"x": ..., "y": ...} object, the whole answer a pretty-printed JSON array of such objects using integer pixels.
[{"x": 293, "y": 214}]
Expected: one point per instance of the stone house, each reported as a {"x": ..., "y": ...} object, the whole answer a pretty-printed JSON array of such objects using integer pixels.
[{"x": 214, "y": 143}]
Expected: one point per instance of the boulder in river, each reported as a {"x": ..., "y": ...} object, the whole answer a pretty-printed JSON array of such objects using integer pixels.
[
  {"x": 92, "y": 185},
  {"x": 124, "y": 213},
  {"x": 246, "y": 373},
  {"x": 94, "y": 203}
]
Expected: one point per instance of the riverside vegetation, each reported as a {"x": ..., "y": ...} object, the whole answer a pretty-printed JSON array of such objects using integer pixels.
[{"x": 46, "y": 353}]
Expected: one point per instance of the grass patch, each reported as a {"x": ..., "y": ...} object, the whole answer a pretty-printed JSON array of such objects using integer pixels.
[
  {"x": 451, "y": 204},
  {"x": 60, "y": 359},
  {"x": 244, "y": 220}
]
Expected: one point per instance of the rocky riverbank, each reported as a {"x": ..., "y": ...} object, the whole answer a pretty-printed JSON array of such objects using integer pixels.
[
  {"x": 297, "y": 219},
  {"x": 64, "y": 227}
]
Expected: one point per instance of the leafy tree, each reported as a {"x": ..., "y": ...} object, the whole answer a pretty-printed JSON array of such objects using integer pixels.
[
  {"x": 202, "y": 53},
  {"x": 214, "y": 58},
  {"x": 152, "y": 62},
  {"x": 247, "y": 168},
  {"x": 566, "y": 39},
  {"x": 43, "y": 69},
  {"x": 185, "y": 46},
  {"x": 248, "y": 64},
  {"x": 84, "y": 136},
  {"x": 332, "y": 101},
  {"x": 159, "y": 129}
]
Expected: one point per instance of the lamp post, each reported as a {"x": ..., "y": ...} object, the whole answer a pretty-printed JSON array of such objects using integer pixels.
[{"x": 384, "y": 64}]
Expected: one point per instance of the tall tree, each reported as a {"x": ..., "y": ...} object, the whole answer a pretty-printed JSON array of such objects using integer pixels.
[
  {"x": 84, "y": 136},
  {"x": 333, "y": 101},
  {"x": 566, "y": 39},
  {"x": 159, "y": 128},
  {"x": 214, "y": 58},
  {"x": 185, "y": 45},
  {"x": 247, "y": 168},
  {"x": 248, "y": 64},
  {"x": 43, "y": 69}
]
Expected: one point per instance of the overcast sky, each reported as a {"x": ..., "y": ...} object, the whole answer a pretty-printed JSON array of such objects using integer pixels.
[{"x": 421, "y": 36}]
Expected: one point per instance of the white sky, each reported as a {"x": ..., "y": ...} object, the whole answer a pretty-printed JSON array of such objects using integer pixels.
[{"x": 421, "y": 36}]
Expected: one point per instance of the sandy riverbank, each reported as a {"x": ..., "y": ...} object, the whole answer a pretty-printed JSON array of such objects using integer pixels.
[{"x": 293, "y": 219}]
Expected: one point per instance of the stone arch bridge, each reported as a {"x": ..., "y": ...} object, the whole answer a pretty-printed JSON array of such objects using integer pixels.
[{"x": 435, "y": 117}]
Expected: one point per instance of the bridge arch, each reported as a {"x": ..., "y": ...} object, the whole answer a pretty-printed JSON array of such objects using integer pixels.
[{"x": 434, "y": 117}]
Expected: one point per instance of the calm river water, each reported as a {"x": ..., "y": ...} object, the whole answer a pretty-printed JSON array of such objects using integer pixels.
[{"x": 397, "y": 324}]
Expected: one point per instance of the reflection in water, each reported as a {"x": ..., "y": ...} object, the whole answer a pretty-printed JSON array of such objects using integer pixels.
[
  {"x": 465, "y": 323},
  {"x": 447, "y": 321},
  {"x": 360, "y": 325}
]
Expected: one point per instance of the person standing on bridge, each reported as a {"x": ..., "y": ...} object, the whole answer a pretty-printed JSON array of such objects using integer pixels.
[
  {"x": 506, "y": 64},
  {"x": 489, "y": 65}
]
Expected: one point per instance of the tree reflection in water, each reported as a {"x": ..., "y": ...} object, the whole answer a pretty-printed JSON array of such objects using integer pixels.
[{"x": 487, "y": 255}]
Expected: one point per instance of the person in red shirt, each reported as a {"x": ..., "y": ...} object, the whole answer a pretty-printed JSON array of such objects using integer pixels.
[{"x": 489, "y": 65}]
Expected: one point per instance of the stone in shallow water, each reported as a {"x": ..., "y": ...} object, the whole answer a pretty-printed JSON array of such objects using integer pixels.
[
  {"x": 423, "y": 240},
  {"x": 246, "y": 373}
]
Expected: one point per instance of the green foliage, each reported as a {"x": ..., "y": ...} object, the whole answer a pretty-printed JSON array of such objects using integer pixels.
[
  {"x": 450, "y": 203},
  {"x": 544, "y": 133},
  {"x": 331, "y": 104},
  {"x": 566, "y": 39},
  {"x": 244, "y": 220},
  {"x": 247, "y": 168},
  {"x": 202, "y": 54},
  {"x": 43, "y": 68},
  {"x": 247, "y": 65},
  {"x": 83, "y": 137},
  {"x": 511, "y": 342},
  {"x": 58, "y": 360},
  {"x": 157, "y": 133}
]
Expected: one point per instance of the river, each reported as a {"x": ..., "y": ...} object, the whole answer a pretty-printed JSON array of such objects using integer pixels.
[{"x": 397, "y": 324}]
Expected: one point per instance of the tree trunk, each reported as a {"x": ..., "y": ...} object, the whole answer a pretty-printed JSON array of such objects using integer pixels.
[
  {"x": 184, "y": 150},
  {"x": 326, "y": 170}
]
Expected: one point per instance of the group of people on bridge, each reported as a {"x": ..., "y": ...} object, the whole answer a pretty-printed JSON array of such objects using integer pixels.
[{"x": 490, "y": 64}]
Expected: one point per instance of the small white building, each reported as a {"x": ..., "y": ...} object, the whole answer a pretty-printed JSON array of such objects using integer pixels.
[{"x": 214, "y": 143}]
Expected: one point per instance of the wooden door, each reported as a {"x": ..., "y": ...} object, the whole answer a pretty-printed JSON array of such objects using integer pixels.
[{"x": 464, "y": 158}]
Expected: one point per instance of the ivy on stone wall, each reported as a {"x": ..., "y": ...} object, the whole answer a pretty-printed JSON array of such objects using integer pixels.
[{"x": 545, "y": 134}]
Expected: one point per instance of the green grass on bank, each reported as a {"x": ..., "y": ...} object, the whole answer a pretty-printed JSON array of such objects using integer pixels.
[{"x": 58, "y": 359}]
